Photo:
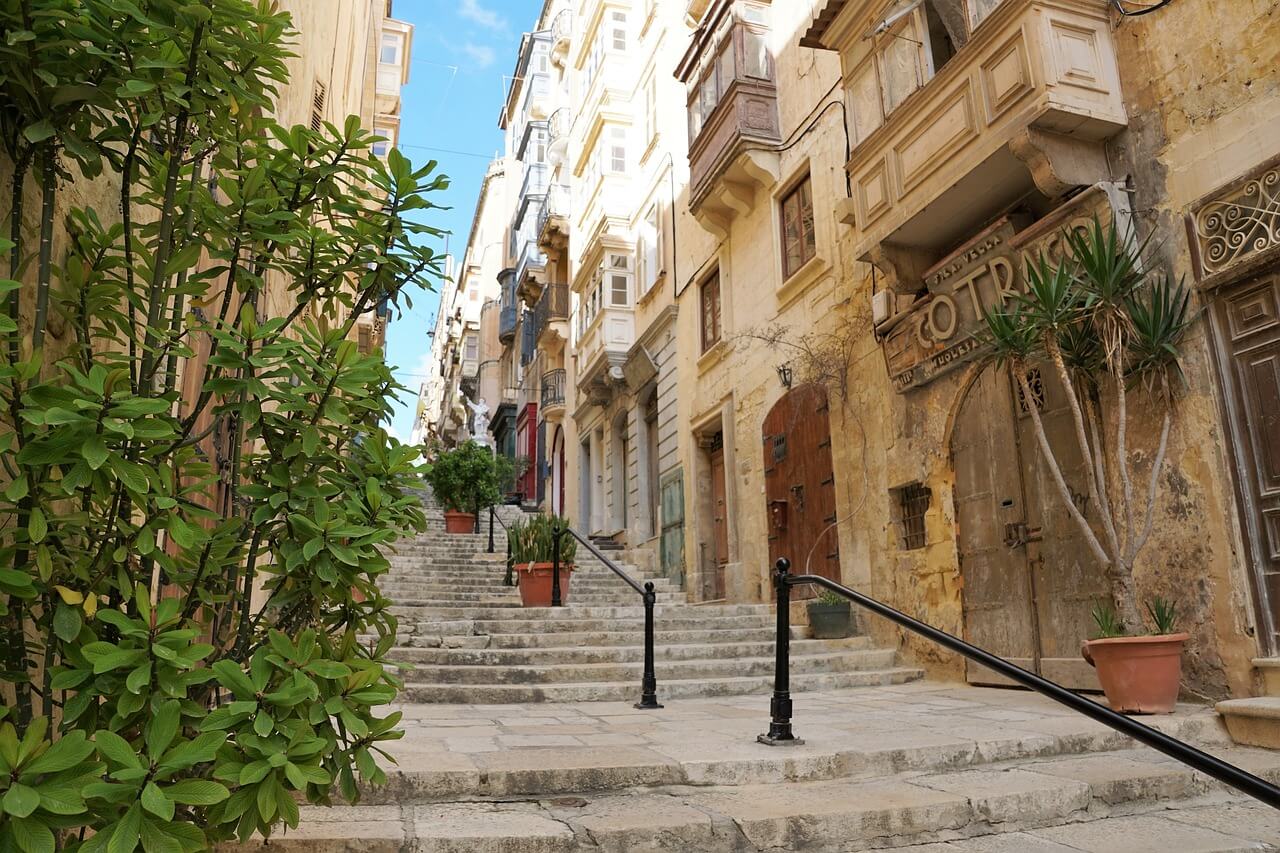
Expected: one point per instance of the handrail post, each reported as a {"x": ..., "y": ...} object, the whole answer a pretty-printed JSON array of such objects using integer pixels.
[
  {"x": 490, "y": 528},
  {"x": 649, "y": 680},
  {"x": 509, "y": 579},
  {"x": 556, "y": 533},
  {"x": 780, "y": 733}
]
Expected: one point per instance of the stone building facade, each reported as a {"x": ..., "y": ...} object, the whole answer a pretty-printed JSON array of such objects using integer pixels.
[{"x": 849, "y": 184}]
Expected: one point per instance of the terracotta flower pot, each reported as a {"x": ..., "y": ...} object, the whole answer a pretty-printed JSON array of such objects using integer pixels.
[
  {"x": 1140, "y": 675},
  {"x": 535, "y": 583},
  {"x": 459, "y": 522}
]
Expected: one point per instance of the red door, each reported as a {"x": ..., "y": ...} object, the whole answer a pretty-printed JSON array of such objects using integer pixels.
[{"x": 799, "y": 484}]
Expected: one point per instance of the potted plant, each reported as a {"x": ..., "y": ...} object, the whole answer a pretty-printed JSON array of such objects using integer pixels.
[
  {"x": 463, "y": 480},
  {"x": 1139, "y": 674},
  {"x": 1107, "y": 328},
  {"x": 830, "y": 616},
  {"x": 533, "y": 557}
]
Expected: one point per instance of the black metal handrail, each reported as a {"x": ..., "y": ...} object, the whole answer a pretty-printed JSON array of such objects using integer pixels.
[
  {"x": 509, "y": 578},
  {"x": 780, "y": 730},
  {"x": 648, "y": 679}
]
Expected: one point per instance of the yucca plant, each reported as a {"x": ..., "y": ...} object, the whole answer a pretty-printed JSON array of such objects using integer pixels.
[
  {"x": 532, "y": 541},
  {"x": 1104, "y": 324}
]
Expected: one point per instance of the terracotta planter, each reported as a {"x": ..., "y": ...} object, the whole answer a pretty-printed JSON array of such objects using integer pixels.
[
  {"x": 535, "y": 583},
  {"x": 1140, "y": 675},
  {"x": 459, "y": 522}
]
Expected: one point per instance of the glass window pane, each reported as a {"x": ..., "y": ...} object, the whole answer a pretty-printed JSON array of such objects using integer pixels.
[
  {"x": 864, "y": 102},
  {"x": 900, "y": 58},
  {"x": 620, "y": 289},
  {"x": 755, "y": 55},
  {"x": 725, "y": 66},
  {"x": 979, "y": 9},
  {"x": 709, "y": 96}
]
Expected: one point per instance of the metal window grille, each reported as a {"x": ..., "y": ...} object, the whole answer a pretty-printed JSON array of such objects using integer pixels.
[
  {"x": 913, "y": 502},
  {"x": 1036, "y": 382}
]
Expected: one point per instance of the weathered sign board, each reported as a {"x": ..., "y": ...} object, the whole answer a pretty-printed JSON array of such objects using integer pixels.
[{"x": 944, "y": 329}]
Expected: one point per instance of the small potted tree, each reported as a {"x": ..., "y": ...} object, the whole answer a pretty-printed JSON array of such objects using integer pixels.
[
  {"x": 533, "y": 557},
  {"x": 1106, "y": 328},
  {"x": 463, "y": 480},
  {"x": 830, "y": 616}
]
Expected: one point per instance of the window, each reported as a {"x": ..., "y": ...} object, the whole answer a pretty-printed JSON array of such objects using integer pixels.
[
  {"x": 473, "y": 348},
  {"x": 711, "y": 311},
  {"x": 619, "y": 281},
  {"x": 911, "y": 502},
  {"x": 391, "y": 46},
  {"x": 650, "y": 248},
  {"x": 979, "y": 10},
  {"x": 618, "y": 30},
  {"x": 618, "y": 150},
  {"x": 650, "y": 111},
  {"x": 381, "y": 148},
  {"x": 799, "y": 243}
]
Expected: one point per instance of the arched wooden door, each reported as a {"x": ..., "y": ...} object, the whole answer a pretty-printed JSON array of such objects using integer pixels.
[
  {"x": 1030, "y": 581},
  {"x": 799, "y": 484}
]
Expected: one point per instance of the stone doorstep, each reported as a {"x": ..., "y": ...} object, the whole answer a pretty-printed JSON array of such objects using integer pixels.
[
  {"x": 1037, "y": 807},
  {"x": 1253, "y": 722}
]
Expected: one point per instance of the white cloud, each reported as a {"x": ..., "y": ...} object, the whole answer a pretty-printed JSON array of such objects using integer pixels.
[
  {"x": 473, "y": 11},
  {"x": 482, "y": 55}
]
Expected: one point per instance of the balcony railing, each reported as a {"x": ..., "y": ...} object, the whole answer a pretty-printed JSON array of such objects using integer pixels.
[
  {"x": 552, "y": 305},
  {"x": 556, "y": 206},
  {"x": 558, "y": 127},
  {"x": 553, "y": 382},
  {"x": 561, "y": 33}
]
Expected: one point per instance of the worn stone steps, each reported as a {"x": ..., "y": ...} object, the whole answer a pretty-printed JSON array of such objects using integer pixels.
[
  {"x": 622, "y": 691},
  {"x": 523, "y": 655},
  {"x": 1133, "y": 801},
  {"x": 602, "y": 598},
  {"x": 628, "y": 673}
]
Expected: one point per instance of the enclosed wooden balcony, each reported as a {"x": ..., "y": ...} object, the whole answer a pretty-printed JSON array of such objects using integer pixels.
[
  {"x": 733, "y": 112},
  {"x": 957, "y": 108}
]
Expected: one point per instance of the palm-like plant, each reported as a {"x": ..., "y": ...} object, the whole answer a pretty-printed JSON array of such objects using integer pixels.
[{"x": 1104, "y": 324}]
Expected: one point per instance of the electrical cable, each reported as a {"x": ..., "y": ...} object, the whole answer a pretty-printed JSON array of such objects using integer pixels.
[{"x": 1119, "y": 6}]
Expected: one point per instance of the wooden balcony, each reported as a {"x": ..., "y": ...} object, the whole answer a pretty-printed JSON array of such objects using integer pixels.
[{"x": 1024, "y": 104}]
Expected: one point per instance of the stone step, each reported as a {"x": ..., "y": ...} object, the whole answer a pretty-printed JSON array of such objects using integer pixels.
[
  {"x": 623, "y": 594},
  {"x": 497, "y": 622},
  {"x": 1253, "y": 722},
  {"x": 710, "y": 613},
  {"x": 487, "y": 581},
  {"x": 668, "y": 689},
  {"x": 709, "y": 669},
  {"x": 1104, "y": 803},
  {"x": 525, "y": 656},
  {"x": 662, "y": 637}
]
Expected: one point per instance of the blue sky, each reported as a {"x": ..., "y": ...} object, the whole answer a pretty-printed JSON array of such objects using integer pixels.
[{"x": 463, "y": 54}]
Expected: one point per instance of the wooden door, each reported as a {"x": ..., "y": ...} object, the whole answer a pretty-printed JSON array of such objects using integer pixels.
[
  {"x": 990, "y": 508},
  {"x": 800, "y": 494},
  {"x": 1066, "y": 578},
  {"x": 1030, "y": 581},
  {"x": 714, "y": 587},
  {"x": 1247, "y": 317}
]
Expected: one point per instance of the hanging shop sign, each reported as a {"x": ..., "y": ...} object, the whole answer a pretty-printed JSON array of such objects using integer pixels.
[{"x": 944, "y": 329}]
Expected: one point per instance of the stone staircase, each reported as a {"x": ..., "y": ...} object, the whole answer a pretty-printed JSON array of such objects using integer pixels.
[
  {"x": 464, "y": 637},
  {"x": 503, "y": 752}
]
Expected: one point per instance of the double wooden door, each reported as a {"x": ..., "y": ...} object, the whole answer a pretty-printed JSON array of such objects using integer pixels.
[
  {"x": 1030, "y": 581},
  {"x": 1247, "y": 317},
  {"x": 799, "y": 484}
]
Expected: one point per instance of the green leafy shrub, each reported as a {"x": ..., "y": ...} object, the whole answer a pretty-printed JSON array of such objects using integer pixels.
[
  {"x": 198, "y": 490},
  {"x": 468, "y": 477},
  {"x": 532, "y": 540}
]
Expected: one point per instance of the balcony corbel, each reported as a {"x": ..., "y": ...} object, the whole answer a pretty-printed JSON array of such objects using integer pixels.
[{"x": 1059, "y": 164}]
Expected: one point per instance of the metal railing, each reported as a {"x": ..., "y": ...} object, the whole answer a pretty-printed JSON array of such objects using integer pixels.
[
  {"x": 509, "y": 578},
  {"x": 553, "y": 385},
  {"x": 648, "y": 679},
  {"x": 780, "y": 707}
]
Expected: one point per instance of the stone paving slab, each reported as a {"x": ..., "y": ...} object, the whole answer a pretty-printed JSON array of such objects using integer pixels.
[{"x": 493, "y": 750}]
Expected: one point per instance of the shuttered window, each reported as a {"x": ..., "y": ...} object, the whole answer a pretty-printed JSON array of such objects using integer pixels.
[
  {"x": 711, "y": 312},
  {"x": 799, "y": 243}
]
